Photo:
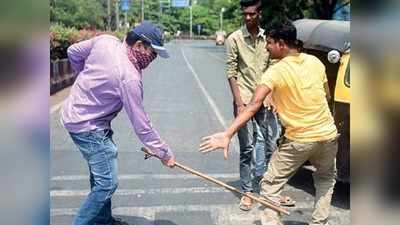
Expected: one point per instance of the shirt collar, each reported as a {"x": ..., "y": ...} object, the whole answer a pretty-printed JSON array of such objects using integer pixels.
[
  {"x": 297, "y": 59},
  {"x": 246, "y": 33}
]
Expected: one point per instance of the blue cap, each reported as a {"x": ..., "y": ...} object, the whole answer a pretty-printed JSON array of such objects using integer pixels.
[{"x": 154, "y": 35}]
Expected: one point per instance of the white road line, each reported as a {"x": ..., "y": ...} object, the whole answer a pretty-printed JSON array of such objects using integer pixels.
[
  {"x": 209, "y": 99},
  {"x": 216, "y": 57},
  {"x": 218, "y": 212},
  {"x": 56, "y": 107},
  {"x": 151, "y": 191},
  {"x": 221, "y": 214},
  {"x": 149, "y": 176},
  {"x": 125, "y": 192}
]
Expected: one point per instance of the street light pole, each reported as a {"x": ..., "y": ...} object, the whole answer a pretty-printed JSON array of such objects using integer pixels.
[
  {"x": 108, "y": 15},
  {"x": 191, "y": 21},
  {"x": 126, "y": 19},
  {"x": 142, "y": 10},
  {"x": 221, "y": 16},
  {"x": 160, "y": 10},
  {"x": 117, "y": 12}
]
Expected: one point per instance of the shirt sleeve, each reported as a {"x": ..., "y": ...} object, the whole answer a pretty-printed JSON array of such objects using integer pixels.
[
  {"x": 324, "y": 77},
  {"x": 231, "y": 58},
  {"x": 77, "y": 54},
  {"x": 271, "y": 78},
  {"x": 132, "y": 97}
]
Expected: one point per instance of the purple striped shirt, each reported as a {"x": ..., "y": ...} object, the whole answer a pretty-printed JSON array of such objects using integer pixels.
[{"x": 106, "y": 82}]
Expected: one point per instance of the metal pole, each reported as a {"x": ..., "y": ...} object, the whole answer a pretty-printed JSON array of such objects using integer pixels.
[
  {"x": 191, "y": 21},
  {"x": 117, "y": 12},
  {"x": 126, "y": 19},
  {"x": 160, "y": 10},
  {"x": 220, "y": 21},
  {"x": 142, "y": 10},
  {"x": 109, "y": 15},
  {"x": 221, "y": 18}
]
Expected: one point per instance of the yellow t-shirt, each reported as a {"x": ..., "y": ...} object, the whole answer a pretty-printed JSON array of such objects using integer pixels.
[{"x": 297, "y": 83}]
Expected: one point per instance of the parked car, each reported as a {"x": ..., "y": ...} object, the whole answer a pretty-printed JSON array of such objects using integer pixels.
[{"x": 329, "y": 40}]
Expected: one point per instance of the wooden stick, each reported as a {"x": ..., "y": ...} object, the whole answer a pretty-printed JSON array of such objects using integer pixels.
[{"x": 265, "y": 202}]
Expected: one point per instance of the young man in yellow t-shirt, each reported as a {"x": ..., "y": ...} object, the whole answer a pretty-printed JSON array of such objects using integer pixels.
[{"x": 299, "y": 86}]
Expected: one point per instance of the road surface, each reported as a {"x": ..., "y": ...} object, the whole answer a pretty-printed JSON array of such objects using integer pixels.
[{"x": 187, "y": 97}]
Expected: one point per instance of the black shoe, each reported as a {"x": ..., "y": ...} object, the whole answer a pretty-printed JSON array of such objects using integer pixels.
[{"x": 118, "y": 221}]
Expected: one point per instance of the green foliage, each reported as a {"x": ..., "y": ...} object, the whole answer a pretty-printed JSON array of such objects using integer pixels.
[
  {"x": 78, "y": 13},
  {"x": 83, "y": 14},
  {"x": 205, "y": 12},
  {"x": 62, "y": 37},
  {"x": 281, "y": 10}
]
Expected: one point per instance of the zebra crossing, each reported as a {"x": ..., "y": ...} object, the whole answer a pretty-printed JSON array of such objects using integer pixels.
[{"x": 214, "y": 204}]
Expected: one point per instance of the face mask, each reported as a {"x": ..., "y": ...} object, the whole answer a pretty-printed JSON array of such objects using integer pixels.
[{"x": 140, "y": 60}]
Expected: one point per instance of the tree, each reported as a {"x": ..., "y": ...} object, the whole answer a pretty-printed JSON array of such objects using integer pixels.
[
  {"x": 78, "y": 13},
  {"x": 280, "y": 10}
]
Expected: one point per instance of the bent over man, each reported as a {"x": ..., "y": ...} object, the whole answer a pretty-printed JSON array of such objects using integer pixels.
[{"x": 109, "y": 78}]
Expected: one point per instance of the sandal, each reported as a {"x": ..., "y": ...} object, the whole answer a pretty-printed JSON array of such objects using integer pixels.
[
  {"x": 287, "y": 201},
  {"x": 246, "y": 203}
]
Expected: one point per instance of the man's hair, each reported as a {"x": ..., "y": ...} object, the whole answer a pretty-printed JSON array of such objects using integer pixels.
[
  {"x": 284, "y": 30},
  {"x": 131, "y": 38},
  {"x": 247, "y": 3}
]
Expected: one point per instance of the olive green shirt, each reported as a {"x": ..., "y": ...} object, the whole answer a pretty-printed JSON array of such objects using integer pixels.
[{"x": 247, "y": 60}]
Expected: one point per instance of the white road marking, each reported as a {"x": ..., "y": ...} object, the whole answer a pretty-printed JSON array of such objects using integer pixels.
[
  {"x": 191, "y": 190},
  {"x": 216, "y": 57},
  {"x": 208, "y": 97},
  {"x": 149, "y": 176},
  {"x": 124, "y": 192},
  {"x": 221, "y": 214}
]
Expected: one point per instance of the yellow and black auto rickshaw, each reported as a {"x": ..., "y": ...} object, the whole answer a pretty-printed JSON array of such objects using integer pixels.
[{"x": 329, "y": 40}]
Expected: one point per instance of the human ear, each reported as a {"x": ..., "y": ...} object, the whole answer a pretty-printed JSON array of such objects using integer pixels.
[{"x": 281, "y": 43}]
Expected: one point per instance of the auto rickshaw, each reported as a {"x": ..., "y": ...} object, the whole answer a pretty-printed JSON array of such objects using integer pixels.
[{"x": 329, "y": 40}]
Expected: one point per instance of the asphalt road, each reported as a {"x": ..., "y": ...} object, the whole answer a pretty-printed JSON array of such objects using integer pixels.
[{"x": 186, "y": 97}]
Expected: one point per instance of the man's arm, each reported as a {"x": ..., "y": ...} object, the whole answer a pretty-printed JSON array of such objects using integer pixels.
[
  {"x": 77, "y": 54},
  {"x": 232, "y": 73},
  {"x": 251, "y": 109},
  {"x": 221, "y": 140},
  {"x": 236, "y": 93},
  {"x": 328, "y": 93},
  {"x": 132, "y": 97}
]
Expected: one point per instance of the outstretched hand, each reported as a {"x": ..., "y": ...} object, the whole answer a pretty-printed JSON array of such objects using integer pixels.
[{"x": 215, "y": 142}]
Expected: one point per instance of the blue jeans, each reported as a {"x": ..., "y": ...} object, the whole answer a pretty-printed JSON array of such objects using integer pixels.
[
  {"x": 100, "y": 153},
  {"x": 260, "y": 134}
]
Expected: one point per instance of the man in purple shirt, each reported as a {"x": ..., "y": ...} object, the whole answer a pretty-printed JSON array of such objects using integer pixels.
[{"x": 109, "y": 78}]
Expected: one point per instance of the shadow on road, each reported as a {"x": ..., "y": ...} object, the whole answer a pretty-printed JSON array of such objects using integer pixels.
[
  {"x": 133, "y": 220},
  {"x": 303, "y": 180},
  {"x": 294, "y": 223},
  {"x": 235, "y": 184},
  {"x": 258, "y": 222}
]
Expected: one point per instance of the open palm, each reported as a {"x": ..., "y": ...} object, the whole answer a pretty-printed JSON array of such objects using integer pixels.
[{"x": 215, "y": 142}]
